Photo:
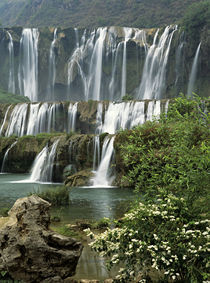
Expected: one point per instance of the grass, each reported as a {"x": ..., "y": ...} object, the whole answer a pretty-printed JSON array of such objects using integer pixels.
[
  {"x": 6, "y": 97},
  {"x": 58, "y": 196}
]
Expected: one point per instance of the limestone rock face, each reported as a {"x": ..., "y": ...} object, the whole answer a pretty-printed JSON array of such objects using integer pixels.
[{"x": 29, "y": 251}]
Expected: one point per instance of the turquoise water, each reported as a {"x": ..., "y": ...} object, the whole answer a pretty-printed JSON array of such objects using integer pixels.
[
  {"x": 85, "y": 202},
  {"x": 88, "y": 203}
]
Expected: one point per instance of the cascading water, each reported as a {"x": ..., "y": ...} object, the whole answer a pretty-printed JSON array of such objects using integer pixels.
[
  {"x": 17, "y": 121},
  {"x": 193, "y": 73},
  {"x": 154, "y": 72},
  {"x": 95, "y": 72},
  {"x": 6, "y": 156},
  {"x": 128, "y": 33},
  {"x": 11, "y": 83},
  {"x": 72, "y": 114},
  {"x": 102, "y": 176},
  {"x": 42, "y": 169},
  {"x": 35, "y": 118},
  {"x": 28, "y": 67},
  {"x": 52, "y": 68},
  {"x": 90, "y": 57},
  {"x": 5, "y": 119}
]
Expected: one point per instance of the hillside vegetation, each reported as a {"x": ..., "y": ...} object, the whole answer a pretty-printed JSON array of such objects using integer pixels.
[{"x": 91, "y": 13}]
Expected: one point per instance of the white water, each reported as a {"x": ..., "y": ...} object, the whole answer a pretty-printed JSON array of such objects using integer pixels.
[
  {"x": 17, "y": 121},
  {"x": 6, "y": 156},
  {"x": 94, "y": 81},
  {"x": 154, "y": 72},
  {"x": 52, "y": 68},
  {"x": 72, "y": 115},
  {"x": 42, "y": 169},
  {"x": 128, "y": 33},
  {"x": 35, "y": 118},
  {"x": 92, "y": 53},
  {"x": 193, "y": 72},
  {"x": 28, "y": 67},
  {"x": 11, "y": 83},
  {"x": 5, "y": 119},
  {"x": 102, "y": 176}
]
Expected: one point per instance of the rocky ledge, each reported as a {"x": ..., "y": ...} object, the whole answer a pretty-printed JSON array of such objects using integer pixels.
[{"x": 31, "y": 252}]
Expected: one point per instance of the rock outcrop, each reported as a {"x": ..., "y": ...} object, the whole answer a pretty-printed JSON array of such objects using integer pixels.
[{"x": 31, "y": 252}]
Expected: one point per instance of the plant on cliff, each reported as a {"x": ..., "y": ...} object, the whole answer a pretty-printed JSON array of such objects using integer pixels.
[
  {"x": 167, "y": 231},
  {"x": 196, "y": 18},
  {"x": 172, "y": 153}
]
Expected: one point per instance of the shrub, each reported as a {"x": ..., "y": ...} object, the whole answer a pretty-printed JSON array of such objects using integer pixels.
[
  {"x": 161, "y": 235},
  {"x": 168, "y": 161},
  {"x": 56, "y": 196}
]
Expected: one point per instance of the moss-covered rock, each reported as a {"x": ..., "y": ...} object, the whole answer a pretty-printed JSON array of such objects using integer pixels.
[{"x": 81, "y": 178}]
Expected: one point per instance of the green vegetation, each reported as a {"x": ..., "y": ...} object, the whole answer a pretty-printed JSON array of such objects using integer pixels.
[
  {"x": 137, "y": 13},
  {"x": 196, "y": 19},
  {"x": 167, "y": 231},
  {"x": 57, "y": 196},
  {"x": 65, "y": 231},
  {"x": 4, "y": 211},
  {"x": 12, "y": 98},
  {"x": 127, "y": 97}
]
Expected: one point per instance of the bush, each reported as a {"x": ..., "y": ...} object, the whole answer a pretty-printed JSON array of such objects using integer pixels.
[
  {"x": 167, "y": 231},
  {"x": 57, "y": 196},
  {"x": 161, "y": 235},
  {"x": 172, "y": 153}
]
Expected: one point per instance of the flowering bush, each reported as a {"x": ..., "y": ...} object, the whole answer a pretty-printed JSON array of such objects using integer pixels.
[{"x": 160, "y": 236}]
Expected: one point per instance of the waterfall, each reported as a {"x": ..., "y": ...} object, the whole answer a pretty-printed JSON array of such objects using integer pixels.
[
  {"x": 5, "y": 156},
  {"x": 72, "y": 115},
  {"x": 11, "y": 83},
  {"x": 96, "y": 66},
  {"x": 96, "y": 155},
  {"x": 5, "y": 119},
  {"x": 35, "y": 118},
  {"x": 52, "y": 68},
  {"x": 87, "y": 77},
  {"x": 17, "y": 121},
  {"x": 154, "y": 71},
  {"x": 102, "y": 176},
  {"x": 128, "y": 32},
  {"x": 123, "y": 115},
  {"x": 193, "y": 72},
  {"x": 28, "y": 67},
  {"x": 42, "y": 168},
  {"x": 76, "y": 60}
]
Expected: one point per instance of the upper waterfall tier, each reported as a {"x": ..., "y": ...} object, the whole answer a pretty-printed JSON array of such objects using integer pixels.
[{"x": 54, "y": 64}]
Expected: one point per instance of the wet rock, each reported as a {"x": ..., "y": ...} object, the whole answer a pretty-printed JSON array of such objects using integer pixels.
[
  {"x": 81, "y": 178},
  {"x": 29, "y": 251}
]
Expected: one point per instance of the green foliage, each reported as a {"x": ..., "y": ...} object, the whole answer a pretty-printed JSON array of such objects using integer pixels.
[
  {"x": 65, "y": 231},
  {"x": 56, "y": 196},
  {"x": 12, "y": 98},
  {"x": 137, "y": 13},
  {"x": 196, "y": 18},
  {"x": 167, "y": 231},
  {"x": 162, "y": 235},
  {"x": 48, "y": 135},
  {"x": 172, "y": 153},
  {"x": 4, "y": 211},
  {"x": 127, "y": 97}
]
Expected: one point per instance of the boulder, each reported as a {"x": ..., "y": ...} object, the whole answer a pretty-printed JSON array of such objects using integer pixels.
[
  {"x": 81, "y": 178},
  {"x": 31, "y": 252}
]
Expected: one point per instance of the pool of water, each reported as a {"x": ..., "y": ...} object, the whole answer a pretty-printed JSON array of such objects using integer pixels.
[
  {"x": 89, "y": 203},
  {"x": 86, "y": 203}
]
